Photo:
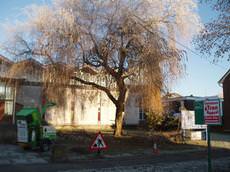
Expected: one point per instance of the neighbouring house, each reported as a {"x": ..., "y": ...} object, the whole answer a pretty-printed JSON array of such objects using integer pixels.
[
  {"x": 7, "y": 91},
  {"x": 183, "y": 107},
  {"x": 81, "y": 104},
  {"x": 225, "y": 83}
]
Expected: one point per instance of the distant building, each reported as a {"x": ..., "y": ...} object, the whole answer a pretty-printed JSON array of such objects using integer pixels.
[
  {"x": 183, "y": 107},
  {"x": 225, "y": 83},
  {"x": 81, "y": 104}
]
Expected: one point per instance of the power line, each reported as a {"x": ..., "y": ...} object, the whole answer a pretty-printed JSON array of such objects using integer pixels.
[
  {"x": 181, "y": 44},
  {"x": 194, "y": 52}
]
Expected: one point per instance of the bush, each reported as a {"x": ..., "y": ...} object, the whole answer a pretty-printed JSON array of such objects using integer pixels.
[
  {"x": 169, "y": 123},
  {"x": 154, "y": 120},
  {"x": 158, "y": 121}
]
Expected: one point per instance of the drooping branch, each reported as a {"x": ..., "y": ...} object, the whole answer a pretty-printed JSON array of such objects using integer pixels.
[{"x": 93, "y": 84}]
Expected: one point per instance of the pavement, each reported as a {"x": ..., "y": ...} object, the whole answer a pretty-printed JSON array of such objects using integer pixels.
[
  {"x": 15, "y": 159},
  {"x": 13, "y": 154},
  {"x": 220, "y": 165}
]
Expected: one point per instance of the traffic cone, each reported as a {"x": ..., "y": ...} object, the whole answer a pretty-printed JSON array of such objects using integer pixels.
[{"x": 155, "y": 149}]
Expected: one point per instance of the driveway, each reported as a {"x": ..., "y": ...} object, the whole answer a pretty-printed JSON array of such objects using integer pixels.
[{"x": 221, "y": 137}]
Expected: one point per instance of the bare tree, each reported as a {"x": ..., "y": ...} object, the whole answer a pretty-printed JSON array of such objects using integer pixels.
[
  {"x": 110, "y": 45},
  {"x": 215, "y": 36}
]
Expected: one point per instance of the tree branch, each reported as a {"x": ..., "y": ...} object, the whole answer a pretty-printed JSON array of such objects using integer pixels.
[
  {"x": 112, "y": 98},
  {"x": 104, "y": 60}
]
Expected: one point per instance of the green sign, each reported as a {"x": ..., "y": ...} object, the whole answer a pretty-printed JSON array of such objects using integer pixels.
[
  {"x": 199, "y": 112},
  {"x": 208, "y": 112}
]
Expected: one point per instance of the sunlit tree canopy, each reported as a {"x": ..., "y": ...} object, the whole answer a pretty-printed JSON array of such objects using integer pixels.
[{"x": 129, "y": 44}]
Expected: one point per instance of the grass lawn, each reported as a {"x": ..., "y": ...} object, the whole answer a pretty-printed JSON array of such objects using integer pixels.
[{"x": 72, "y": 142}]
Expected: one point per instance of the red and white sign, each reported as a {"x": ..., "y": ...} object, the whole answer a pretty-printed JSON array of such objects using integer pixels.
[
  {"x": 212, "y": 112},
  {"x": 98, "y": 143}
]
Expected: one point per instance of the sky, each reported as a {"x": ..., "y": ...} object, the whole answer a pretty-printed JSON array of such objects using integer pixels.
[{"x": 201, "y": 76}]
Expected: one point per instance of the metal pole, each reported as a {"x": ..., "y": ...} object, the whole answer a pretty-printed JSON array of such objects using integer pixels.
[{"x": 209, "y": 150}]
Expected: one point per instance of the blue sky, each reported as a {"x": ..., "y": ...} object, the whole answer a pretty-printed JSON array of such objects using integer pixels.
[{"x": 201, "y": 76}]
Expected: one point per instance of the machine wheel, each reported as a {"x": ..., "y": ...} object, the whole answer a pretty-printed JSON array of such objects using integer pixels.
[{"x": 45, "y": 145}]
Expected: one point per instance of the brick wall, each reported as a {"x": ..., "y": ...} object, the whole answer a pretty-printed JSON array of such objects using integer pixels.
[{"x": 226, "y": 90}]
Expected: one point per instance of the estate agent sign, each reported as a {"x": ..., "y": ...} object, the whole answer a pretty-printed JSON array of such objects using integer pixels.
[
  {"x": 208, "y": 112},
  {"x": 212, "y": 112}
]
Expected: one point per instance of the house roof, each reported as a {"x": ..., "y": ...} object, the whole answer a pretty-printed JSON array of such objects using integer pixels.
[
  {"x": 223, "y": 77},
  {"x": 196, "y": 98},
  {"x": 5, "y": 59},
  {"x": 30, "y": 61}
]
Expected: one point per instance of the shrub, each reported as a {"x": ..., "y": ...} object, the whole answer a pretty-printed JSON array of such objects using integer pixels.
[
  {"x": 170, "y": 123},
  {"x": 154, "y": 120}
]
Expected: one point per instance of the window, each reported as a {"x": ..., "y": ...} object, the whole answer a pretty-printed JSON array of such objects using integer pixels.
[
  {"x": 189, "y": 104},
  {"x": 2, "y": 90},
  {"x": 7, "y": 96},
  {"x": 9, "y": 93},
  {"x": 8, "y": 108},
  {"x": 142, "y": 115}
]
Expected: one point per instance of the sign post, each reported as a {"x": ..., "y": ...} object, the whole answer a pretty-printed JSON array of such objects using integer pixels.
[
  {"x": 209, "y": 150},
  {"x": 208, "y": 112}
]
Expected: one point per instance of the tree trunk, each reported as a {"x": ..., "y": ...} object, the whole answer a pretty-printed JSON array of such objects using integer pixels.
[
  {"x": 120, "y": 107},
  {"x": 118, "y": 122}
]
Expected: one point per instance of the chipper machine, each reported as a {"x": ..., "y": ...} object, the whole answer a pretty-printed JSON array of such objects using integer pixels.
[{"x": 32, "y": 129}]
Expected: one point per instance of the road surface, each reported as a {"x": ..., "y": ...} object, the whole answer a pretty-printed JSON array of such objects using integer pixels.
[{"x": 186, "y": 161}]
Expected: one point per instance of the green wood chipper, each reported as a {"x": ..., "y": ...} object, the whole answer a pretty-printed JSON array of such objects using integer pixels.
[{"x": 32, "y": 129}]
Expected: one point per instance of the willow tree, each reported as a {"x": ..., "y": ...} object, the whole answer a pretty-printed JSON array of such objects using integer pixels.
[{"x": 125, "y": 43}]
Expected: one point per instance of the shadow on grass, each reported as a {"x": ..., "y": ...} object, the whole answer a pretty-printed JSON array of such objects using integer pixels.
[{"x": 76, "y": 144}]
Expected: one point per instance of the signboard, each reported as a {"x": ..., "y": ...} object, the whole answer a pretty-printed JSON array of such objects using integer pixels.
[
  {"x": 199, "y": 112},
  {"x": 208, "y": 112},
  {"x": 98, "y": 143},
  {"x": 49, "y": 132},
  {"x": 188, "y": 120},
  {"x": 22, "y": 131},
  {"x": 212, "y": 112}
]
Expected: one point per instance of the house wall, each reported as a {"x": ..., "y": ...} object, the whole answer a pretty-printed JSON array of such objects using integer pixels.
[
  {"x": 80, "y": 106},
  {"x": 226, "y": 90},
  {"x": 131, "y": 116},
  {"x": 29, "y": 95},
  {"x": 4, "y": 66}
]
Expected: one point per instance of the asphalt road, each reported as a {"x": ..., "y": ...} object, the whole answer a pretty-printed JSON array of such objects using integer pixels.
[{"x": 98, "y": 163}]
